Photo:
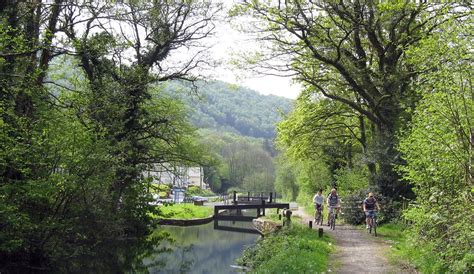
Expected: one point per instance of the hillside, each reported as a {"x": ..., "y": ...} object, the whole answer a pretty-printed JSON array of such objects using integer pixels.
[{"x": 225, "y": 107}]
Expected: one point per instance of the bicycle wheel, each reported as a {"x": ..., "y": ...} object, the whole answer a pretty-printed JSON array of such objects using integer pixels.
[{"x": 333, "y": 222}]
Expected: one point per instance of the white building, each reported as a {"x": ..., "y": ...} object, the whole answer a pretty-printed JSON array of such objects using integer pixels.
[{"x": 177, "y": 176}]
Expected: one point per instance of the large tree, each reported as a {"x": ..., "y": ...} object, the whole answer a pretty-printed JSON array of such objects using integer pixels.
[
  {"x": 80, "y": 120},
  {"x": 337, "y": 49},
  {"x": 123, "y": 48}
]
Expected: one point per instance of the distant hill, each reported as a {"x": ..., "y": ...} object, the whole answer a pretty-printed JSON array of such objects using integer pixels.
[{"x": 222, "y": 106}]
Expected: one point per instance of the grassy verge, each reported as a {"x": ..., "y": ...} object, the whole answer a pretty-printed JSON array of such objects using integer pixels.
[
  {"x": 290, "y": 250},
  {"x": 184, "y": 212},
  {"x": 408, "y": 253}
]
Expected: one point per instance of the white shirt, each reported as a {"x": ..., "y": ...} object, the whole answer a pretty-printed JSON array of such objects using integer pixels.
[{"x": 318, "y": 199}]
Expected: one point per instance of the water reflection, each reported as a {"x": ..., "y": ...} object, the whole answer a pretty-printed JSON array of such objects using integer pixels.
[
  {"x": 209, "y": 248},
  {"x": 202, "y": 249}
]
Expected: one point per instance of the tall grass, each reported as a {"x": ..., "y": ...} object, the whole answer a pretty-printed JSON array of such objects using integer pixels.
[{"x": 404, "y": 250}]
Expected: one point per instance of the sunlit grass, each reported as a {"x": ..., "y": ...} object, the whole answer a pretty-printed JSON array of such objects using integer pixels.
[
  {"x": 292, "y": 250},
  {"x": 407, "y": 253},
  {"x": 184, "y": 212}
]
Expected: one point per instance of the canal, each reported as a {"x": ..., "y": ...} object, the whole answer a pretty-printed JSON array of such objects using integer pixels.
[{"x": 201, "y": 249}]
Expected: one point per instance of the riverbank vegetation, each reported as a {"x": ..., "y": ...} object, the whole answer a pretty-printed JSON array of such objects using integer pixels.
[
  {"x": 183, "y": 211},
  {"x": 294, "y": 249},
  {"x": 83, "y": 116}
]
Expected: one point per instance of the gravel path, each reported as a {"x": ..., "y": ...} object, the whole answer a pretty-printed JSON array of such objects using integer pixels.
[{"x": 356, "y": 251}]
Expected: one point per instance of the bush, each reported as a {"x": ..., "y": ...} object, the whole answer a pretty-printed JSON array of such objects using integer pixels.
[
  {"x": 352, "y": 208},
  {"x": 155, "y": 188},
  {"x": 391, "y": 210},
  {"x": 197, "y": 191},
  {"x": 163, "y": 194}
]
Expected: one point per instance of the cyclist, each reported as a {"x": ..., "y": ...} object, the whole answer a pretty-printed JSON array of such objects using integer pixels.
[
  {"x": 369, "y": 208},
  {"x": 333, "y": 202},
  {"x": 318, "y": 201}
]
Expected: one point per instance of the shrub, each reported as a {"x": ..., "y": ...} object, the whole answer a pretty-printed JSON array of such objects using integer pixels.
[
  {"x": 197, "y": 191},
  {"x": 391, "y": 210},
  {"x": 163, "y": 194},
  {"x": 352, "y": 207},
  {"x": 155, "y": 188}
]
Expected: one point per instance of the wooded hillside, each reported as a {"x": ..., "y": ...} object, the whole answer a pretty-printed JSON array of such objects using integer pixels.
[{"x": 223, "y": 106}]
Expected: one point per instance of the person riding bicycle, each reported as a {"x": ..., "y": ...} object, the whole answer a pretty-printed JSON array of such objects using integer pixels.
[
  {"x": 333, "y": 201},
  {"x": 369, "y": 208},
  {"x": 318, "y": 201}
]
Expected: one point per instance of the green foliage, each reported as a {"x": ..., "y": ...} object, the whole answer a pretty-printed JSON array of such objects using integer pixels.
[
  {"x": 350, "y": 180},
  {"x": 197, "y": 191},
  {"x": 438, "y": 151},
  {"x": 235, "y": 109},
  {"x": 238, "y": 160},
  {"x": 183, "y": 211},
  {"x": 291, "y": 250},
  {"x": 232, "y": 189},
  {"x": 154, "y": 188},
  {"x": 285, "y": 181},
  {"x": 77, "y": 131},
  {"x": 407, "y": 249},
  {"x": 163, "y": 194},
  {"x": 390, "y": 209},
  {"x": 352, "y": 207}
]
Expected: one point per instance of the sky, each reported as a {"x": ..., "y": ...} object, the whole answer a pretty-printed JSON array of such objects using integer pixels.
[{"x": 227, "y": 42}]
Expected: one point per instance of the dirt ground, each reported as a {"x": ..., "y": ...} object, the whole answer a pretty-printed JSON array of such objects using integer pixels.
[{"x": 356, "y": 250}]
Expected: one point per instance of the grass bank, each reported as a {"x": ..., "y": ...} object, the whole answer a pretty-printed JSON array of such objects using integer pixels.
[
  {"x": 290, "y": 250},
  {"x": 408, "y": 253},
  {"x": 184, "y": 211}
]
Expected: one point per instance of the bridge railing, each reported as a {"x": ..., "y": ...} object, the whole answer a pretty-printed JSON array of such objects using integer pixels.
[{"x": 253, "y": 197}]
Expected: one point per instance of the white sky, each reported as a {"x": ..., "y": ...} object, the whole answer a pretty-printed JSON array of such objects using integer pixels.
[{"x": 229, "y": 41}]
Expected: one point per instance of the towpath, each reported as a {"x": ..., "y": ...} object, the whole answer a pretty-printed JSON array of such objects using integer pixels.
[{"x": 356, "y": 251}]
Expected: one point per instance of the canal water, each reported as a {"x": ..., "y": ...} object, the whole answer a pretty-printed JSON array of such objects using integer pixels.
[{"x": 205, "y": 248}]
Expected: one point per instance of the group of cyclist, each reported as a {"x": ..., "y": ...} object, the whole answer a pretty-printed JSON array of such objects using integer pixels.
[{"x": 333, "y": 202}]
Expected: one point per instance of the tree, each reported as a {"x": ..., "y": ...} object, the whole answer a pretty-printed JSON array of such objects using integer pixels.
[
  {"x": 352, "y": 53},
  {"x": 285, "y": 180},
  {"x": 152, "y": 31},
  {"x": 75, "y": 142},
  {"x": 438, "y": 149}
]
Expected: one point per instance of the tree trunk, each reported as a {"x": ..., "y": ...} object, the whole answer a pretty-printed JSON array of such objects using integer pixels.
[{"x": 370, "y": 163}]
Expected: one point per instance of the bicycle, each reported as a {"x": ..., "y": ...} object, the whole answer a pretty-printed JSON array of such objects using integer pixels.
[
  {"x": 319, "y": 216},
  {"x": 372, "y": 222},
  {"x": 332, "y": 217}
]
